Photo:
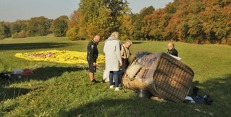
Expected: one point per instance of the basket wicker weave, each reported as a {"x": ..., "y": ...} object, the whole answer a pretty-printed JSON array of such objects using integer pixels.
[{"x": 162, "y": 75}]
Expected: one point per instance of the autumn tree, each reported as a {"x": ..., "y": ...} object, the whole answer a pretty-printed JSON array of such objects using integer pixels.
[
  {"x": 139, "y": 22},
  {"x": 194, "y": 21},
  {"x": 126, "y": 29},
  {"x": 100, "y": 17}
]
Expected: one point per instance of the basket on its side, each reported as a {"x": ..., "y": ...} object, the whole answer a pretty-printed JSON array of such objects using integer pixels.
[
  {"x": 135, "y": 75},
  {"x": 162, "y": 75}
]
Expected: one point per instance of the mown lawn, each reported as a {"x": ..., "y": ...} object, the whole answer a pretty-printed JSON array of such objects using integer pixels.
[{"x": 64, "y": 90}]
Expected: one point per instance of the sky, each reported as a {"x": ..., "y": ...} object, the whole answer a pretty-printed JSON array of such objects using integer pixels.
[{"x": 12, "y": 10}]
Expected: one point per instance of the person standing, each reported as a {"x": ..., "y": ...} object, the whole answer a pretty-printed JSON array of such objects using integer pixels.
[
  {"x": 92, "y": 55},
  {"x": 172, "y": 50},
  {"x": 113, "y": 58},
  {"x": 125, "y": 54}
]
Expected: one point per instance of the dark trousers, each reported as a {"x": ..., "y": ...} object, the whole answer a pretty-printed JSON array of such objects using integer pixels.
[
  {"x": 114, "y": 75},
  {"x": 125, "y": 64},
  {"x": 92, "y": 68}
]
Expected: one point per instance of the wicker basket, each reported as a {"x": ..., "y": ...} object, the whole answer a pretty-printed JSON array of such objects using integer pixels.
[{"x": 162, "y": 75}]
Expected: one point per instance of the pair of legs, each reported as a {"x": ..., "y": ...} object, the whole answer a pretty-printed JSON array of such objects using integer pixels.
[
  {"x": 114, "y": 75},
  {"x": 92, "y": 70},
  {"x": 91, "y": 75},
  {"x": 123, "y": 69}
]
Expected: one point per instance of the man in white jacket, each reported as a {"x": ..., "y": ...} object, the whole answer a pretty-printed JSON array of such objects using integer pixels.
[{"x": 113, "y": 58}]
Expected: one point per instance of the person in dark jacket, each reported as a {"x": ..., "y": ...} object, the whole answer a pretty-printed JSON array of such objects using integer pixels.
[
  {"x": 172, "y": 50},
  {"x": 92, "y": 55}
]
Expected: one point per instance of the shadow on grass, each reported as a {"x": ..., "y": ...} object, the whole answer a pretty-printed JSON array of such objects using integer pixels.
[
  {"x": 38, "y": 74},
  {"x": 43, "y": 73},
  {"x": 114, "y": 107},
  {"x": 28, "y": 46},
  {"x": 219, "y": 90},
  {"x": 137, "y": 42},
  {"x": 217, "y": 87},
  {"x": 12, "y": 93},
  {"x": 50, "y": 72}
]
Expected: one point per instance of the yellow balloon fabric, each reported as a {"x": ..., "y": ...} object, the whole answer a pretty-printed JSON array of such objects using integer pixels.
[{"x": 64, "y": 56}]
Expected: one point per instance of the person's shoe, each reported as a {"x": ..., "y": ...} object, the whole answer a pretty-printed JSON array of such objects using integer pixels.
[
  {"x": 111, "y": 87},
  {"x": 117, "y": 89},
  {"x": 195, "y": 90}
]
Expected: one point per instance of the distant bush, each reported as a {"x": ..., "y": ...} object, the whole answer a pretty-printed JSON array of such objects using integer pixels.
[
  {"x": 72, "y": 34},
  {"x": 229, "y": 41},
  {"x": 189, "y": 40},
  {"x": 60, "y": 26},
  {"x": 21, "y": 34},
  {"x": 39, "y": 26},
  {"x": 2, "y": 37},
  {"x": 4, "y": 30}
]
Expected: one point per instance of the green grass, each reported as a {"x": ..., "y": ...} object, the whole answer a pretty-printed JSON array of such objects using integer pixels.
[{"x": 64, "y": 90}]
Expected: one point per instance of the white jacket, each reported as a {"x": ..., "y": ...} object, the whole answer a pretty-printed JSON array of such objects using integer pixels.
[{"x": 112, "y": 54}]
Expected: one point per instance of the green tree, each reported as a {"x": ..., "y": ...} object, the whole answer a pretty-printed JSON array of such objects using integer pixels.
[
  {"x": 100, "y": 17},
  {"x": 72, "y": 33},
  {"x": 39, "y": 26},
  {"x": 4, "y": 30},
  {"x": 195, "y": 28},
  {"x": 16, "y": 28},
  {"x": 60, "y": 26},
  {"x": 182, "y": 30},
  {"x": 126, "y": 28},
  {"x": 19, "y": 29}
]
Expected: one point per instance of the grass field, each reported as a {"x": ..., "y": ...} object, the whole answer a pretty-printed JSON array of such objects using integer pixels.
[{"x": 64, "y": 90}]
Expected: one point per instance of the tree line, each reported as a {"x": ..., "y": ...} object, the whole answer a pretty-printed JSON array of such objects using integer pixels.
[
  {"x": 36, "y": 26},
  {"x": 200, "y": 21},
  {"x": 192, "y": 21}
]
